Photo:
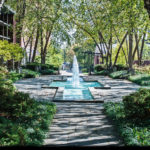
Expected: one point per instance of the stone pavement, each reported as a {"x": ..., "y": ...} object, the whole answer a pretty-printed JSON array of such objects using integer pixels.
[{"x": 79, "y": 124}]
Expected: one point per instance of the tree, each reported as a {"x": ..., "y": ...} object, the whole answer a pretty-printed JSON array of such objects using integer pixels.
[{"x": 10, "y": 51}]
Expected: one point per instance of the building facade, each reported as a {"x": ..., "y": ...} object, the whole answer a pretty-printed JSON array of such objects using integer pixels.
[{"x": 7, "y": 23}]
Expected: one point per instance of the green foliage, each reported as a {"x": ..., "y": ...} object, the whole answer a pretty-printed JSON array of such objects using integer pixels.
[
  {"x": 142, "y": 69},
  {"x": 84, "y": 70},
  {"x": 141, "y": 79},
  {"x": 119, "y": 74},
  {"x": 3, "y": 72},
  {"x": 39, "y": 66},
  {"x": 32, "y": 66},
  {"x": 10, "y": 51},
  {"x": 99, "y": 67},
  {"x": 103, "y": 72},
  {"x": 137, "y": 105},
  {"x": 134, "y": 132},
  {"x": 15, "y": 76},
  {"x": 48, "y": 72},
  {"x": 54, "y": 58},
  {"x": 48, "y": 66},
  {"x": 29, "y": 128},
  {"x": 30, "y": 74},
  {"x": 120, "y": 67},
  {"x": 23, "y": 121}
]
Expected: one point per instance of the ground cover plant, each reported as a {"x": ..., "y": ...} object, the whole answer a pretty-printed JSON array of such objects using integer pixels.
[
  {"x": 140, "y": 78},
  {"x": 30, "y": 74},
  {"x": 23, "y": 121},
  {"x": 123, "y": 74},
  {"x": 132, "y": 117},
  {"x": 141, "y": 75}
]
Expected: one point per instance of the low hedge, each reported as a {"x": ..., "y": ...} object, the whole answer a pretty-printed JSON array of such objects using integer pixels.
[
  {"x": 31, "y": 66},
  {"x": 30, "y": 74},
  {"x": 48, "y": 72},
  {"x": 38, "y": 67},
  {"x": 15, "y": 76},
  {"x": 103, "y": 72},
  {"x": 141, "y": 79},
  {"x": 119, "y": 74},
  {"x": 99, "y": 67}
]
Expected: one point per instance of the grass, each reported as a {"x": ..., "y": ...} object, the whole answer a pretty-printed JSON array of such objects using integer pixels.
[
  {"x": 28, "y": 129},
  {"x": 134, "y": 132}
]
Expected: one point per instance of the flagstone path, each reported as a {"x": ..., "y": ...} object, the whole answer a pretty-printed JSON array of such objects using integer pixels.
[{"x": 79, "y": 124}]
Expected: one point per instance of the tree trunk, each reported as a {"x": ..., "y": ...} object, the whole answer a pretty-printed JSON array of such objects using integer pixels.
[
  {"x": 142, "y": 47},
  {"x": 130, "y": 58},
  {"x": 35, "y": 46},
  {"x": 120, "y": 48},
  {"x": 137, "y": 48},
  {"x": 30, "y": 53}
]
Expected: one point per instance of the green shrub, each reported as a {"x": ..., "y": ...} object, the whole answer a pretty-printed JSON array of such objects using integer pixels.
[
  {"x": 47, "y": 67},
  {"x": 30, "y": 74},
  {"x": 84, "y": 70},
  {"x": 137, "y": 105},
  {"x": 120, "y": 67},
  {"x": 119, "y": 74},
  {"x": 15, "y": 76},
  {"x": 23, "y": 121},
  {"x": 141, "y": 79},
  {"x": 47, "y": 72},
  {"x": 29, "y": 128},
  {"x": 3, "y": 72},
  {"x": 133, "y": 132},
  {"x": 38, "y": 66},
  {"x": 32, "y": 66},
  {"x": 142, "y": 69},
  {"x": 13, "y": 103},
  {"x": 99, "y": 67},
  {"x": 103, "y": 72}
]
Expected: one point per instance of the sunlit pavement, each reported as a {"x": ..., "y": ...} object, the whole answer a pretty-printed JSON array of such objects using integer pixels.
[{"x": 79, "y": 124}]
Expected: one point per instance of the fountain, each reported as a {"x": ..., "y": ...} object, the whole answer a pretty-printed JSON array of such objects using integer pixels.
[
  {"x": 75, "y": 88},
  {"x": 75, "y": 75}
]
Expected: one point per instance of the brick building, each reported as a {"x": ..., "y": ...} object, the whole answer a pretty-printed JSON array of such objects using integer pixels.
[{"x": 7, "y": 23}]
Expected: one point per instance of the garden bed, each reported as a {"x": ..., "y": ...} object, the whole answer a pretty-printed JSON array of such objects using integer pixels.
[{"x": 131, "y": 118}]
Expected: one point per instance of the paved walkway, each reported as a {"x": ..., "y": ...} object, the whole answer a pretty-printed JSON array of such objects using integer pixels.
[{"x": 79, "y": 124}]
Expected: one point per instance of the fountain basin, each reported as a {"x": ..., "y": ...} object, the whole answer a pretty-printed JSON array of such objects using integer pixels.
[{"x": 71, "y": 93}]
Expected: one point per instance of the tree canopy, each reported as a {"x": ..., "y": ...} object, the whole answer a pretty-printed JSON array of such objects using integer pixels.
[{"x": 97, "y": 22}]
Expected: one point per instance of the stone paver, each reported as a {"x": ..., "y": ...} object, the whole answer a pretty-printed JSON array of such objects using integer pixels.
[{"x": 79, "y": 124}]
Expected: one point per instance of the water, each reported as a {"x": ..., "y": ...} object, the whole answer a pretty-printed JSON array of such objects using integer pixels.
[
  {"x": 75, "y": 88},
  {"x": 76, "y": 93},
  {"x": 75, "y": 74}
]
